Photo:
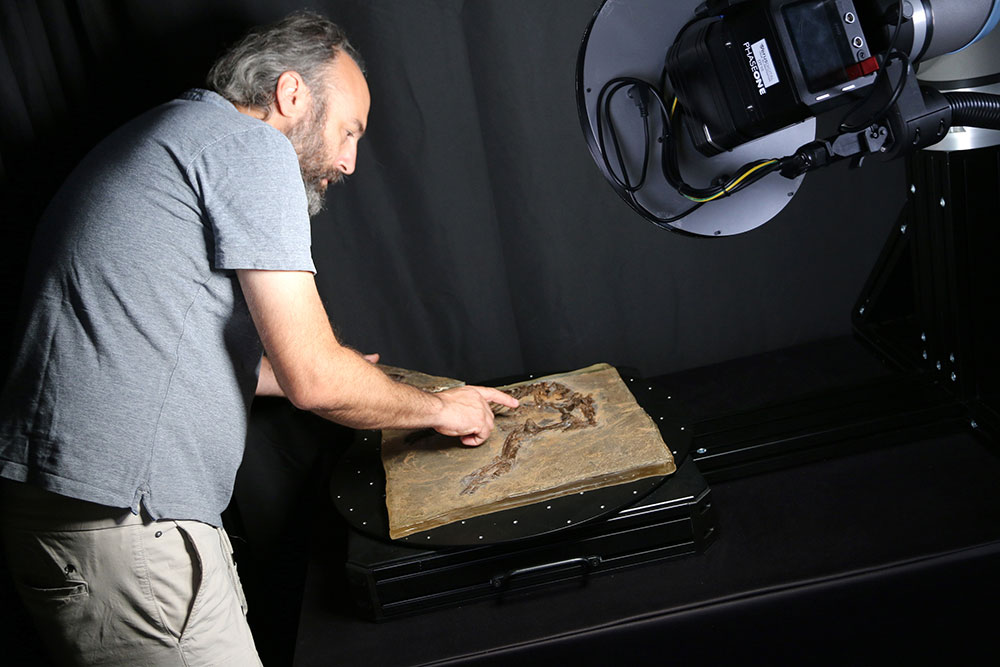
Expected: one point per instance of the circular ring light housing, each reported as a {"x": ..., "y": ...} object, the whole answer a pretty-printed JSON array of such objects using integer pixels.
[{"x": 630, "y": 38}]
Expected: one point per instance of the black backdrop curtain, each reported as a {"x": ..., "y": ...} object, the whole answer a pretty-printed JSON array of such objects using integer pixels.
[{"x": 477, "y": 238}]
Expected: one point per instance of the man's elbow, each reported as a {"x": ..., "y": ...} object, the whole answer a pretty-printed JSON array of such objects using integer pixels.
[{"x": 310, "y": 395}]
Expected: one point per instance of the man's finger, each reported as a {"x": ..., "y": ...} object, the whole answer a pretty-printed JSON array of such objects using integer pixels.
[
  {"x": 472, "y": 440},
  {"x": 496, "y": 396},
  {"x": 371, "y": 358}
]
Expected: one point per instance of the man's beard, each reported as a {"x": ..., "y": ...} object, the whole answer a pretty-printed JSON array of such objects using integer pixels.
[{"x": 307, "y": 138}]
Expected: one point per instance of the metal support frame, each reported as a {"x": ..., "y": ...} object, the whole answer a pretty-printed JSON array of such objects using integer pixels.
[
  {"x": 929, "y": 308},
  {"x": 944, "y": 250},
  {"x": 877, "y": 413}
]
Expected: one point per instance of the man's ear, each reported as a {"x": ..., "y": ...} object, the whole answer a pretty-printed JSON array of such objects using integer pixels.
[{"x": 291, "y": 97}]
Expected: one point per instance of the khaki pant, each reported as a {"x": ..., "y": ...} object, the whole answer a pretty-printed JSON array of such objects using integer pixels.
[{"x": 106, "y": 587}]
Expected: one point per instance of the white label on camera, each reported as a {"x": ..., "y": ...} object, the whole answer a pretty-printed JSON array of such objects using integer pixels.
[{"x": 761, "y": 65}]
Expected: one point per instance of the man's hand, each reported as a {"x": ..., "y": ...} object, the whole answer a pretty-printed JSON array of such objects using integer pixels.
[{"x": 467, "y": 413}]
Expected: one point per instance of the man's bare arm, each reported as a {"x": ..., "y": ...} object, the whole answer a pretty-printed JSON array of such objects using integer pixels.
[
  {"x": 317, "y": 373},
  {"x": 267, "y": 384}
]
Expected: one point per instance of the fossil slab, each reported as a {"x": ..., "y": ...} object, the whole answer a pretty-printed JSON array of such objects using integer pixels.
[
  {"x": 431, "y": 383},
  {"x": 573, "y": 432}
]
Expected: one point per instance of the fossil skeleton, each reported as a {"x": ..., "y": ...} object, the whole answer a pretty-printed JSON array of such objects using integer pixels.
[{"x": 544, "y": 395}]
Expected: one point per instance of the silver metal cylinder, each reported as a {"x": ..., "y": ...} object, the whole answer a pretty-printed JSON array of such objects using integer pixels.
[
  {"x": 954, "y": 24},
  {"x": 974, "y": 69}
]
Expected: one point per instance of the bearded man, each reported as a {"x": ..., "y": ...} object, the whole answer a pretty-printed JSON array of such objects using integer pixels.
[{"x": 173, "y": 257}]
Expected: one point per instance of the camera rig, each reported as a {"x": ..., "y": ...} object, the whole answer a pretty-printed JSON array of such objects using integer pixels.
[{"x": 739, "y": 73}]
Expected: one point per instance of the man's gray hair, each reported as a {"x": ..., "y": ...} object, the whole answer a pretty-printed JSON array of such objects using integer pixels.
[{"x": 306, "y": 42}]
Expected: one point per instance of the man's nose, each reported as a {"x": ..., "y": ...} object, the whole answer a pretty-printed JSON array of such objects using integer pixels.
[{"x": 347, "y": 161}]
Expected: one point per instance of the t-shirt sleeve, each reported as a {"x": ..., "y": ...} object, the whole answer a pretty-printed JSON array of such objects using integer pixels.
[{"x": 255, "y": 202}]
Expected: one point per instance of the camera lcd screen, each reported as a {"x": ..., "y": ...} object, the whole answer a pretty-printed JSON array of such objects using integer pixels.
[{"x": 820, "y": 42}]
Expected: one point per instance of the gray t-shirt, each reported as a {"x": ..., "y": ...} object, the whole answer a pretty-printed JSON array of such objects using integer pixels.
[{"x": 138, "y": 357}]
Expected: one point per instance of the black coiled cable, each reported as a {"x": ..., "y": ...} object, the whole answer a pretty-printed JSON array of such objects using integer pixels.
[{"x": 974, "y": 109}]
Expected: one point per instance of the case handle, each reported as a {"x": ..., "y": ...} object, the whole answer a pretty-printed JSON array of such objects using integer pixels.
[{"x": 587, "y": 564}]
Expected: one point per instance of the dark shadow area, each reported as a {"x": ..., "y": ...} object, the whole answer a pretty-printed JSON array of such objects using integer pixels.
[{"x": 280, "y": 507}]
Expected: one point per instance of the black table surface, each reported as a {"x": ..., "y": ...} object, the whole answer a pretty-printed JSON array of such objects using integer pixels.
[{"x": 885, "y": 555}]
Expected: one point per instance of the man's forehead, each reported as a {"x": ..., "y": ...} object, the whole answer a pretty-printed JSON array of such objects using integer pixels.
[
  {"x": 344, "y": 72},
  {"x": 349, "y": 83}
]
